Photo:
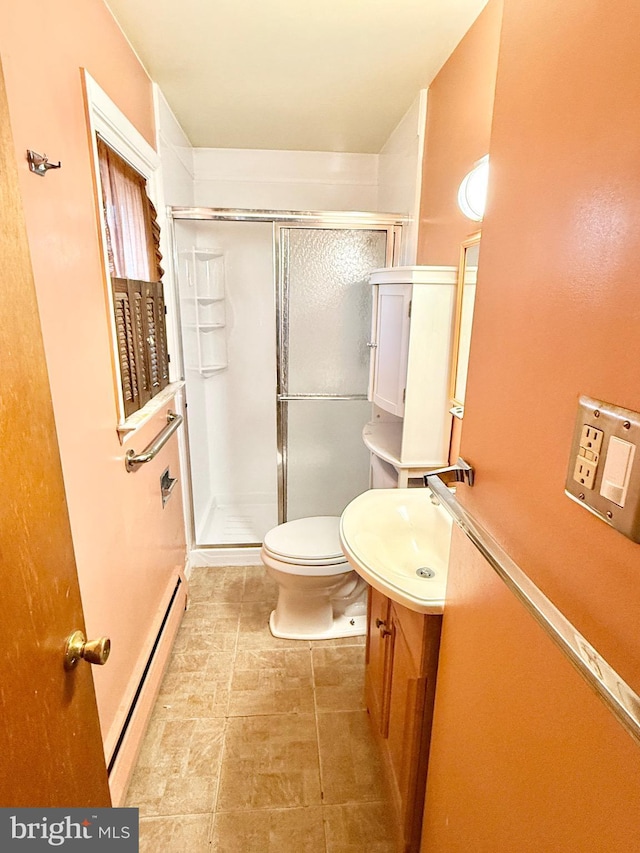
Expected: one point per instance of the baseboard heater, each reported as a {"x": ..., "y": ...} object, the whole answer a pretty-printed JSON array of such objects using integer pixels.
[{"x": 147, "y": 668}]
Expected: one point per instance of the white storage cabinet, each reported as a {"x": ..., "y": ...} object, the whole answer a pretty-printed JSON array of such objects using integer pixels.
[{"x": 413, "y": 313}]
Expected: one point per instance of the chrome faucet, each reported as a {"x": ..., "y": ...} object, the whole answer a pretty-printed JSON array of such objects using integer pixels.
[{"x": 461, "y": 472}]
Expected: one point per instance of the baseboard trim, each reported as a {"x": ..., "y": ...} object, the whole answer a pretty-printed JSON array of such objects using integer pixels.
[{"x": 127, "y": 749}]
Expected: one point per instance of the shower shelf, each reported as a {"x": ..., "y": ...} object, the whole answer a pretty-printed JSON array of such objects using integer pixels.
[
  {"x": 204, "y": 315},
  {"x": 209, "y": 369},
  {"x": 205, "y": 327}
]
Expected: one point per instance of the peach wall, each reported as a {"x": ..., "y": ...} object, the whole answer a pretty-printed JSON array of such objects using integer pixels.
[
  {"x": 525, "y": 757},
  {"x": 457, "y": 135},
  {"x": 127, "y": 547}
]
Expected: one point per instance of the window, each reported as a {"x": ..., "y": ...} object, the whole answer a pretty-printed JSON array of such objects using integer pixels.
[{"x": 133, "y": 250}]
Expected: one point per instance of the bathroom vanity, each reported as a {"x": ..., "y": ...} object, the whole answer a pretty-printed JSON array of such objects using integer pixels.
[
  {"x": 401, "y": 667},
  {"x": 398, "y": 540}
]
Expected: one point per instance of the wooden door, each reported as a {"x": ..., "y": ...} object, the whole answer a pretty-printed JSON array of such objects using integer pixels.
[{"x": 50, "y": 745}]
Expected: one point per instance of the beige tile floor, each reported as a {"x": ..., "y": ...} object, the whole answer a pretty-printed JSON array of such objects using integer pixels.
[{"x": 258, "y": 745}]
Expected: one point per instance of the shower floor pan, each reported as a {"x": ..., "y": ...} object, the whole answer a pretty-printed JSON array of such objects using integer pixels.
[{"x": 238, "y": 524}]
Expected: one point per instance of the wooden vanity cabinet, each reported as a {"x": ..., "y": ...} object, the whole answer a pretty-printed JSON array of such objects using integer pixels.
[{"x": 401, "y": 666}]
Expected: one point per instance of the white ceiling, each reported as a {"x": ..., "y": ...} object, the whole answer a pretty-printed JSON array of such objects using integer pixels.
[{"x": 315, "y": 75}]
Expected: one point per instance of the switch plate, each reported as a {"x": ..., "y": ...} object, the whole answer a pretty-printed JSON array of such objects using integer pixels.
[{"x": 604, "y": 468}]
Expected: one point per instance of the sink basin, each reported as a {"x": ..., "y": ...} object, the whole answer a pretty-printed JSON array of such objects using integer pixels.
[{"x": 393, "y": 538}]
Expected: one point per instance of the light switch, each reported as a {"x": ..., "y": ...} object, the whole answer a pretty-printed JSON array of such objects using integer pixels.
[{"x": 617, "y": 470}]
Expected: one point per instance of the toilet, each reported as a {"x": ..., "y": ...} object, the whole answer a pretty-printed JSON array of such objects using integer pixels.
[{"x": 319, "y": 595}]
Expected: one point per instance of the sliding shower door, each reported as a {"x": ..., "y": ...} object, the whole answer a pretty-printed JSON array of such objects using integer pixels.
[{"x": 324, "y": 320}]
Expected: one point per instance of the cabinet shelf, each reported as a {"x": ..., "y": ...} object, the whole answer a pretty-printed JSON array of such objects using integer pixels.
[{"x": 385, "y": 440}]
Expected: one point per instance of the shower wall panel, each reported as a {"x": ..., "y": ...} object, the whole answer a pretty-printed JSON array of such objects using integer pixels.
[{"x": 231, "y": 405}]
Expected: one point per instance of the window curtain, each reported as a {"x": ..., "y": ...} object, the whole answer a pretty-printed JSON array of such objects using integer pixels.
[{"x": 132, "y": 230}]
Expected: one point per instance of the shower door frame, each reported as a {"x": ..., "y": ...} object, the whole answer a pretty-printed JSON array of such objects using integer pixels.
[{"x": 344, "y": 220}]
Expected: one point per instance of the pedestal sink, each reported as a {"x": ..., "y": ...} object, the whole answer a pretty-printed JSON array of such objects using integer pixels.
[{"x": 398, "y": 541}]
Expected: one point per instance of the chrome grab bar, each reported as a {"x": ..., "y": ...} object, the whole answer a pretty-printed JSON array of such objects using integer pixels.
[
  {"x": 133, "y": 460},
  {"x": 617, "y": 695}
]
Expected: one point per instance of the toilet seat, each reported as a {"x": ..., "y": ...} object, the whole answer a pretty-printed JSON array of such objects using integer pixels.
[{"x": 310, "y": 542}]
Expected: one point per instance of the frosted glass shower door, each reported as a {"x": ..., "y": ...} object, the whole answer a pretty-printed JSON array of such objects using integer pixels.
[{"x": 325, "y": 321}]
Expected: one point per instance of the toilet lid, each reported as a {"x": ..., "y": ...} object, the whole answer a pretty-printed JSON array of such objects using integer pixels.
[{"x": 307, "y": 539}]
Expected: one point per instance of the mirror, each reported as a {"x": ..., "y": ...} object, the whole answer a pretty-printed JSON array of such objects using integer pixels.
[{"x": 465, "y": 300}]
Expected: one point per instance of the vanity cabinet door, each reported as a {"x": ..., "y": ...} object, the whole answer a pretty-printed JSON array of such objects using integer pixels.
[
  {"x": 402, "y": 659},
  {"x": 407, "y": 694},
  {"x": 377, "y": 672},
  {"x": 391, "y": 348}
]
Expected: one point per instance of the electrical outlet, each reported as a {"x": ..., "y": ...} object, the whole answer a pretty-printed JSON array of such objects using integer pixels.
[
  {"x": 585, "y": 472},
  {"x": 591, "y": 442},
  {"x": 588, "y": 455}
]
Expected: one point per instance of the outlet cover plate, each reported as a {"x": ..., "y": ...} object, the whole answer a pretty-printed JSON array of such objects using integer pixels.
[{"x": 623, "y": 424}]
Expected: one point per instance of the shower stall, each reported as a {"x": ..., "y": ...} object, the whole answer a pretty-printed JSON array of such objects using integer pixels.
[{"x": 275, "y": 316}]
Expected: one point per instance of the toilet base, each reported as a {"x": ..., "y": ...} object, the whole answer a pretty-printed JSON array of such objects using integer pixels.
[{"x": 342, "y": 626}]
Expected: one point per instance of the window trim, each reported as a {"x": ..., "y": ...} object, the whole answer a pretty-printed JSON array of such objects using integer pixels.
[{"x": 107, "y": 120}]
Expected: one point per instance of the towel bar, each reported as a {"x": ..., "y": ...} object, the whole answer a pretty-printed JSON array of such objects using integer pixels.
[{"x": 617, "y": 695}]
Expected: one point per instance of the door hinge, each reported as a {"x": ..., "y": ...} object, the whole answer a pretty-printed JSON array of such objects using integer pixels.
[
  {"x": 168, "y": 357},
  {"x": 410, "y": 304},
  {"x": 404, "y": 395}
]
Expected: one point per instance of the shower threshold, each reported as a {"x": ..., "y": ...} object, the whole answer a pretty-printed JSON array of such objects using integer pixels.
[{"x": 238, "y": 523}]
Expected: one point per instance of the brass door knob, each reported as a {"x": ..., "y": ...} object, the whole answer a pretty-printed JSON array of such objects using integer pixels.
[{"x": 93, "y": 651}]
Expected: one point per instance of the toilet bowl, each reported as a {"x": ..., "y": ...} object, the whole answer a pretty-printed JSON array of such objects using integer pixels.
[{"x": 319, "y": 595}]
